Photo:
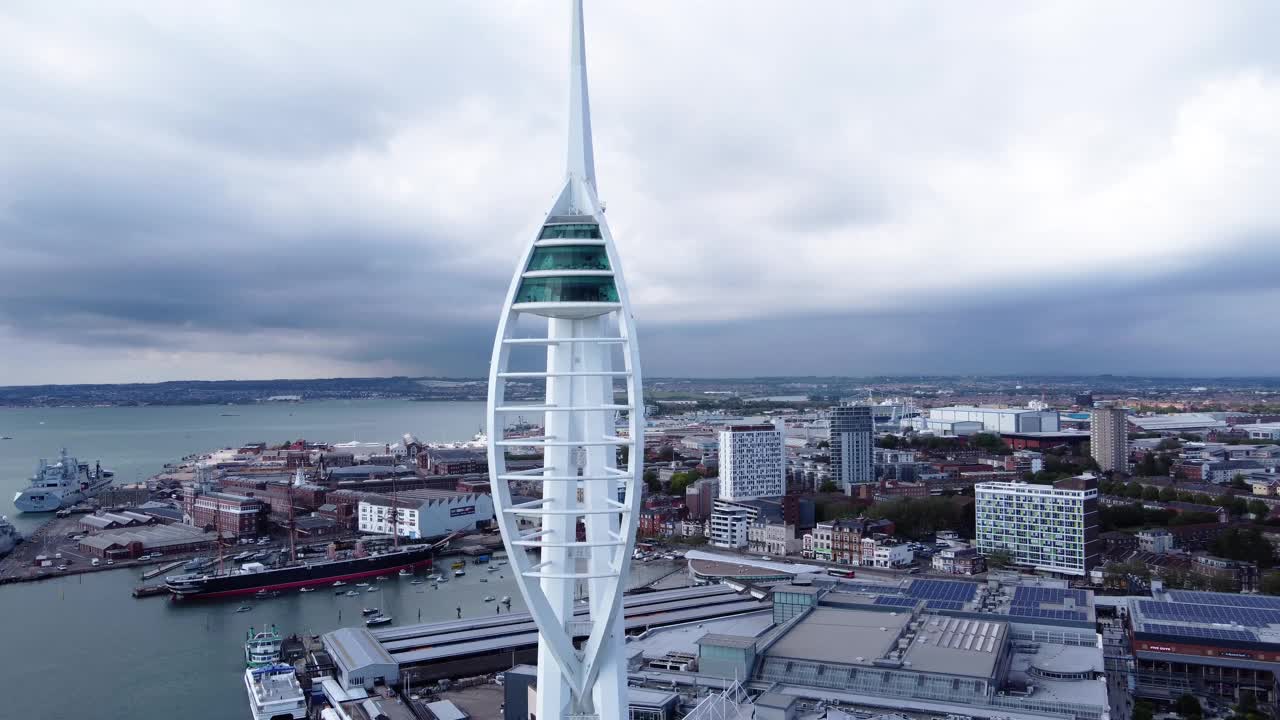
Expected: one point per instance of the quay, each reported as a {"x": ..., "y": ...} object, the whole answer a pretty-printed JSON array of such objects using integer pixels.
[
  {"x": 162, "y": 569},
  {"x": 150, "y": 591}
]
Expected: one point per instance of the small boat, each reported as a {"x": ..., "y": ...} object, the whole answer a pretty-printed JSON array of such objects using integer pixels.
[
  {"x": 351, "y": 593},
  {"x": 416, "y": 582},
  {"x": 506, "y": 599},
  {"x": 458, "y": 564},
  {"x": 492, "y": 568},
  {"x": 405, "y": 572},
  {"x": 459, "y": 573},
  {"x": 369, "y": 611},
  {"x": 373, "y": 589},
  {"x": 262, "y": 594},
  {"x": 484, "y": 579},
  {"x": 5, "y": 437},
  {"x": 306, "y": 589},
  {"x": 244, "y": 608},
  {"x": 433, "y": 576},
  {"x": 380, "y": 578},
  {"x": 339, "y": 584},
  {"x": 444, "y": 578},
  {"x": 378, "y": 620},
  {"x": 488, "y": 598},
  {"x": 362, "y": 584}
]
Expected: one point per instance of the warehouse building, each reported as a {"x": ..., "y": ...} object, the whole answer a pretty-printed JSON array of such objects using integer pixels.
[
  {"x": 424, "y": 513},
  {"x": 967, "y": 420},
  {"x": 135, "y": 542}
]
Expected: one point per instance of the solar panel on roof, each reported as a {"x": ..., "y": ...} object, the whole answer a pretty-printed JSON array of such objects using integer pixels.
[
  {"x": 893, "y": 601},
  {"x": 1195, "y": 597},
  {"x": 1208, "y": 614},
  {"x": 944, "y": 605},
  {"x": 1034, "y": 596},
  {"x": 943, "y": 590},
  {"x": 1200, "y": 632}
]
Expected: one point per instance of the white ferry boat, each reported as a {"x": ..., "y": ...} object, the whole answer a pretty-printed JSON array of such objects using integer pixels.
[{"x": 274, "y": 693}]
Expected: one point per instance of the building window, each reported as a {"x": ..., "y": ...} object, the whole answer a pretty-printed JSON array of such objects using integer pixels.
[
  {"x": 567, "y": 289},
  {"x": 585, "y": 231},
  {"x": 569, "y": 257}
]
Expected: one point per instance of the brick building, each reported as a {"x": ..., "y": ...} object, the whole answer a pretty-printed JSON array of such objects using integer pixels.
[{"x": 231, "y": 515}]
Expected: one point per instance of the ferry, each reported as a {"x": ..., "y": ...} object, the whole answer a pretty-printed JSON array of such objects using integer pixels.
[
  {"x": 274, "y": 693},
  {"x": 262, "y": 648}
]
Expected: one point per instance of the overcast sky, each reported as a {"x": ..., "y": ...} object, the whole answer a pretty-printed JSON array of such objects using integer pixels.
[{"x": 290, "y": 189}]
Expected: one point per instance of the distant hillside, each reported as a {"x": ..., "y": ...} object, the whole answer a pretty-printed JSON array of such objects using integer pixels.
[{"x": 206, "y": 392}]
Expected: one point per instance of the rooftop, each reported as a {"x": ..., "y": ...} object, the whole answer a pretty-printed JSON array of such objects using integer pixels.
[{"x": 833, "y": 636}]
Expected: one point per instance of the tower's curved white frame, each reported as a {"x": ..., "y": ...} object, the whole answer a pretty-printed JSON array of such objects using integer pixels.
[{"x": 581, "y": 668}]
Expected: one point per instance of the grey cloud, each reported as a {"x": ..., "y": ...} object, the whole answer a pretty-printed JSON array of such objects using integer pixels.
[{"x": 342, "y": 185}]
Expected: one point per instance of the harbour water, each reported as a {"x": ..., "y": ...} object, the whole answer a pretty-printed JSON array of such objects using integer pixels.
[
  {"x": 136, "y": 442},
  {"x": 81, "y": 646}
]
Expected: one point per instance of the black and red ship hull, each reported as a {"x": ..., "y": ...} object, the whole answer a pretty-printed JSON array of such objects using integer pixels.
[{"x": 199, "y": 587}]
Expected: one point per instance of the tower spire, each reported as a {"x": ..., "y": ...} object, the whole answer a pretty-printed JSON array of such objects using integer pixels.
[{"x": 582, "y": 162}]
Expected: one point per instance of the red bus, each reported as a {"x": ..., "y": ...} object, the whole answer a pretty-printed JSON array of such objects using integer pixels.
[{"x": 840, "y": 572}]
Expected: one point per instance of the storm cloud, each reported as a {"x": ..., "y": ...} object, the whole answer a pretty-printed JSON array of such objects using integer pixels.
[{"x": 212, "y": 190}]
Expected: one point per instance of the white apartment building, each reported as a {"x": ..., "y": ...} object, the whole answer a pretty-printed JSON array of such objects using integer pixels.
[
  {"x": 425, "y": 513},
  {"x": 885, "y": 553},
  {"x": 1052, "y": 528},
  {"x": 752, "y": 462}
]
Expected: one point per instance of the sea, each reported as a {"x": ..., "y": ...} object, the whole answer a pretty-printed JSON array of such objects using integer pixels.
[{"x": 82, "y": 646}]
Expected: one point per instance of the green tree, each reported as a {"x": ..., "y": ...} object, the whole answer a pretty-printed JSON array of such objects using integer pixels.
[
  {"x": 1259, "y": 509},
  {"x": 888, "y": 442},
  {"x": 682, "y": 480},
  {"x": 1168, "y": 494},
  {"x": 997, "y": 559},
  {"x": 1238, "y": 482},
  {"x": 651, "y": 481},
  {"x": 991, "y": 442},
  {"x": 1143, "y": 710},
  {"x": 1150, "y": 492},
  {"x": 1270, "y": 583},
  {"x": 828, "y": 486},
  {"x": 1189, "y": 707}
]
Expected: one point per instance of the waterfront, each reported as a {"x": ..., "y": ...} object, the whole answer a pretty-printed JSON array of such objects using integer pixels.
[
  {"x": 82, "y": 643},
  {"x": 136, "y": 442}
]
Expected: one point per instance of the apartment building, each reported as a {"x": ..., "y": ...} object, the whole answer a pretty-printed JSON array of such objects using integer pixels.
[
  {"x": 752, "y": 462},
  {"x": 1050, "y": 528}
]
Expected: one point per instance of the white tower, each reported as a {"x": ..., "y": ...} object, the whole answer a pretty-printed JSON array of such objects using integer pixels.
[{"x": 583, "y": 523}]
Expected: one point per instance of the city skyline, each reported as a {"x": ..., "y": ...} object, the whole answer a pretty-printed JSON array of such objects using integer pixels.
[{"x": 888, "y": 190}]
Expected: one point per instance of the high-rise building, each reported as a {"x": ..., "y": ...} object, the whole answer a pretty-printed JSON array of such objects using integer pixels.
[
  {"x": 752, "y": 462},
  {"x": 852, "y": 446},
  {"x": 1052, "y": 528},
  {"x": 567, "y": 310},
  {"x": 1109, "y": 438}
]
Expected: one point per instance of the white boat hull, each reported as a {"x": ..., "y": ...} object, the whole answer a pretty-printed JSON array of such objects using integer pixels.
[{"x": 38, "y": 500}]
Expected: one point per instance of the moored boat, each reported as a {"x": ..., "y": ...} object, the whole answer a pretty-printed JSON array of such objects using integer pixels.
[
  {"x": 253, "y": 577},
  {"x": 62, "y": 484}
]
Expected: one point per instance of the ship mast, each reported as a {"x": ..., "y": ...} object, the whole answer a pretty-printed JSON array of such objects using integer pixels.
[
  {"x": 395, "y": 509},
  {"x": 293, "y": 535}
]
